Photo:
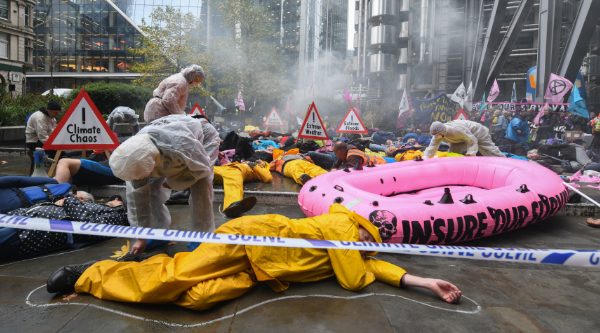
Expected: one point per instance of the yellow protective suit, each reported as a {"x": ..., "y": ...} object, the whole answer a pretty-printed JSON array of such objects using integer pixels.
[
  {"x": 217, "y": 272},
  {"x": 233, "y": 176},
  {"x": 412, "y": 154},
  {"x": 296, "y": 168}
]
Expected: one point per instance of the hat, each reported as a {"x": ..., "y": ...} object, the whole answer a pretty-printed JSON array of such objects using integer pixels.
[
  {"x": 53, "y": 105},
  {"x": 117, "y": 196},
  {"x": 437, "y": 128},
  {"x": 190, "y": 73}
]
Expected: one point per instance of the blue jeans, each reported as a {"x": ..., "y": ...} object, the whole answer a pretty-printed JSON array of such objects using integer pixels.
[
  {"x": 381, "y": 137},
  {"x": 377, "y": 148},
  {"x": 324, "y": 160}
]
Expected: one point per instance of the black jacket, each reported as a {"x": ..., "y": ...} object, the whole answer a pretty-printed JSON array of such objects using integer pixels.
[
  {"x": 34, "y": 242},
  {"x": 546, "y": 129}
]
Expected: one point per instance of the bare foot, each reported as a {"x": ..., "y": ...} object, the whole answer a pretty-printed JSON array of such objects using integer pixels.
[
  {"x": 593, "y": 223},
  {"x": 445, "y": 290}
]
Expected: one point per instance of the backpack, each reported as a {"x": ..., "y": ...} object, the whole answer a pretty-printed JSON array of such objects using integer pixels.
[
  {"x": 27, "y": 119},
  {"x": 596, "y": 126},
  {"x": 34, "y": 194}
]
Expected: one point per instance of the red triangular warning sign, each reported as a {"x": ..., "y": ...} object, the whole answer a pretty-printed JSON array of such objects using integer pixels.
[
  {"x": 197, "y": 110},
  {"x": 312, "y": 127},
  {"x": 274, "y": 119},
  {"x": 461, "y": 115},
  {"x": 82, "y": 127},
  {"x": 351, "y": 123}
]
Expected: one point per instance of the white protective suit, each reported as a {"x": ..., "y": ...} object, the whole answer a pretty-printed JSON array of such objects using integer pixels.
[
  {"x": 188, "y": 149},
  {"x": 123, "y": 114},
  {"x": 464, "y": 134},
  {"x": 172, "y": 93}
]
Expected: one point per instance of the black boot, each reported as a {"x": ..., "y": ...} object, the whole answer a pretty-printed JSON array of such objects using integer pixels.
[
  {"x": 304, "y": 178},
  {"x": 239, "y": 207},
  {"x": 180, "y": 197},
  {"x": 63, "y": 280}
]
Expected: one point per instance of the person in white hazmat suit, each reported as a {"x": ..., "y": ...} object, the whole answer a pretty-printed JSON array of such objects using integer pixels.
[
  {"x": 172, "y": 93},
  {"x": 462, "y": 135},
  {"x": 179, "y": 151},
  {"x": 123, "y": 114}
]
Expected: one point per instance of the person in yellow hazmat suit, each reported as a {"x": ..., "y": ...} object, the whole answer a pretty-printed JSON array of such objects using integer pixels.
[
  {"x": 233, "y": 176},
  {"x": 298, "y": 167},
  {"x": 217, "y": 272}
]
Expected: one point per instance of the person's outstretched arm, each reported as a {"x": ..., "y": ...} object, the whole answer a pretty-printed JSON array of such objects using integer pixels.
[{"x": 444, "y": 289}]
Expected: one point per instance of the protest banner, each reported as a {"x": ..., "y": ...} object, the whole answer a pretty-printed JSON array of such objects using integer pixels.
[
  {"x": 522, "y": 107},
  {"x": 351, "y": 123},
  {"x": 312, "y": 126},
  {"x": 439, "y": 108},
  {"x": 273, "y": 119},
  {"x": 81, "y": 128},
  {"x": 197, "y": 110}
]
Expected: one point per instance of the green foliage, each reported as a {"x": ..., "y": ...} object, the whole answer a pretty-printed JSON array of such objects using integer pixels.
[
  {"x": 14, "y": 110},
  {"x": 173, "y": 43},
  {"x": 107, "y": 96},
  {"x": 248, "y": 58}
]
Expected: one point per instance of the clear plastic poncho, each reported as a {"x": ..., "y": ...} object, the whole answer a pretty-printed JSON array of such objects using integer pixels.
[
  {"x": 122, "y": 114},
  {"x": 188, "y": 151},
  {"x": 172, "y": 93},
  {"x": 464, "y": 134}
]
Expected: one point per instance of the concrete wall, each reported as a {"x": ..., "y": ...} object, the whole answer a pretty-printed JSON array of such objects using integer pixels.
[{"x": 17, "y": 133}]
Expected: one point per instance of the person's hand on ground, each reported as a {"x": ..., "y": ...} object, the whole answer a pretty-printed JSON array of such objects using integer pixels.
[
  {"x": 445, "y": 290},
  {"x": 593, "y": 223},
  {"x": 139, "y": 246}
]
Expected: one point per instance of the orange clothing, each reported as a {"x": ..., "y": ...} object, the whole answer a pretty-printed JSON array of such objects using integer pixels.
[{"x": 367, "y": 159}]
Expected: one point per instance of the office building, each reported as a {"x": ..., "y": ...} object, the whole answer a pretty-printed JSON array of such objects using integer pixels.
[
  {"x": 16, "y": 38},
  {"x": 81, "y": 41},
  {"x": 429, "y": 47}
]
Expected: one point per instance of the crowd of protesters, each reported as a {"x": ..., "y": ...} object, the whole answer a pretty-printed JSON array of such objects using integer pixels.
[{"x": 189, "y": 153}]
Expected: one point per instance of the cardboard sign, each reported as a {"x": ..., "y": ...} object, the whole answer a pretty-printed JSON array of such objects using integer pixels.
[
  {"x": 274, "y": 119},
  {"x": 82, "y": 128},
  {"x": 351, "y": 123},
  {"x": 197, "y": 110},
  {"x": 461, "y": 115},
  {"x": 312, "y": 127},
  {"x": 573, "y": 135}
]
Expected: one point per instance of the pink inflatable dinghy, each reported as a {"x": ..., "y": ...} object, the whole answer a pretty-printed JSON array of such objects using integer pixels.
[{"x": 441, "y": 200}]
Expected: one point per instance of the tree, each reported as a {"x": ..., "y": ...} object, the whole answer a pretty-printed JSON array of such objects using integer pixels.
[
  {"x": 248, "y": 58},
  {"x": 173, "y": 42}
]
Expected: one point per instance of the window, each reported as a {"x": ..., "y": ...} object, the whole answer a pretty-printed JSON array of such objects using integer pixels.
[
  {"x": 4, "y": 9},
  {"x": 3, "y": 45},
  {"x": 27, "y": 50},
  {"x": 27, "y": 11}
]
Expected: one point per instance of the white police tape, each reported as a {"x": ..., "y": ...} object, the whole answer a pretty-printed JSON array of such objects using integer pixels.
[{"x": 586, "y": 258}]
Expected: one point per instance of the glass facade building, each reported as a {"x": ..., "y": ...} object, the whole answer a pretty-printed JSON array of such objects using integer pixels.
[
  {"x": 310, "y": 30},
  {"x": 82, "y": 41}
]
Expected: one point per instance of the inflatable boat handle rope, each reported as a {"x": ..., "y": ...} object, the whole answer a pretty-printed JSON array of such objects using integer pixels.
[{"x": 583, "y": 195}]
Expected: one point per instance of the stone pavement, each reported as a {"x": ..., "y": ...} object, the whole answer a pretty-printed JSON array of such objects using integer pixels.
[{"x": 499, "y": 297}]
